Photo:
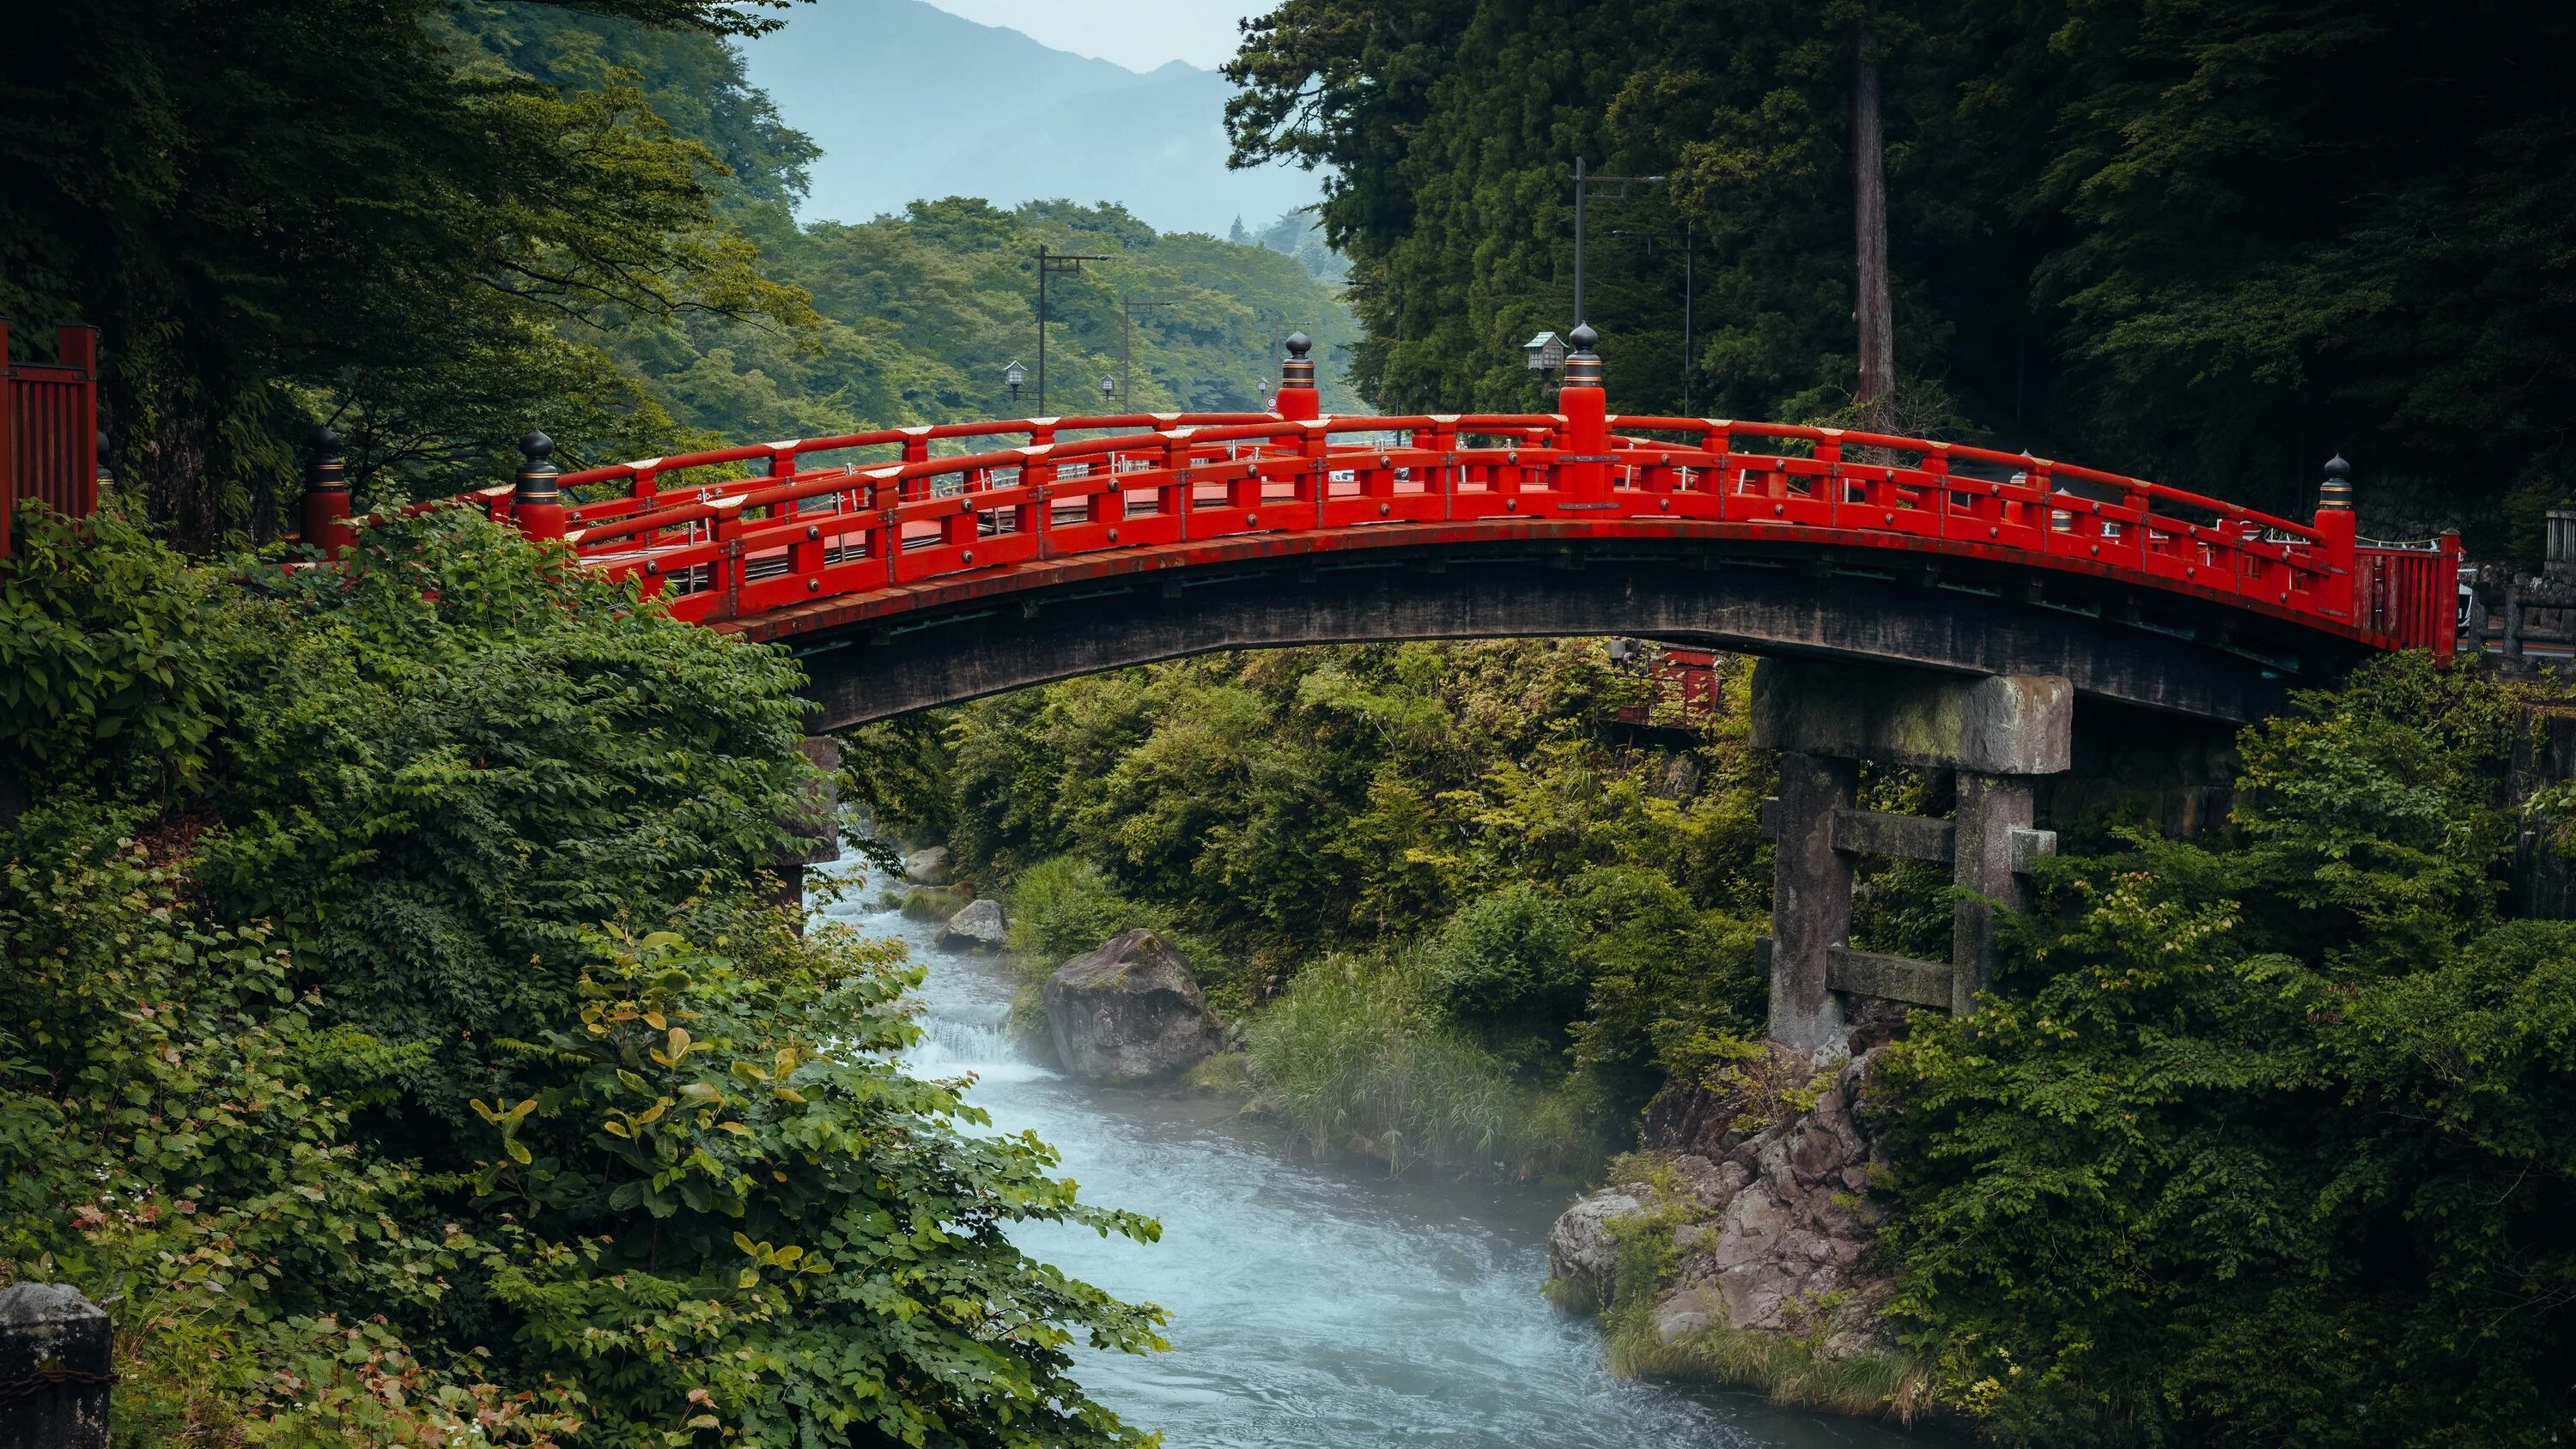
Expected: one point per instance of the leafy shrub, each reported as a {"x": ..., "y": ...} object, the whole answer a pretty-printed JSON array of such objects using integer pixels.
[
  {"x": 819, "y": 1245},
  {"x": 1666, "y": 979},
  {"x": 177, "y": 1136},
  {"x": 1507, "y": 959},
  {"x": 1354, "y": 1059},
  {"x": 2268, "y": 1143},
  {"x": 1063, "y": 906},
  {"x": 328, "y": 1055}
]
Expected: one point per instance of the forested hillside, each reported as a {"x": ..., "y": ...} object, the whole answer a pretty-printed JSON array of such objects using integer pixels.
[
  {"x": 450, "y": 224},
  {"x": 2210, "y": 243}
]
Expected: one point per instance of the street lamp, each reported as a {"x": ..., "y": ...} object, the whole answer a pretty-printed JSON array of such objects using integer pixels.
[
  {"x": 1015, "y": 377},
  {"x": 1108, "y": 390}
]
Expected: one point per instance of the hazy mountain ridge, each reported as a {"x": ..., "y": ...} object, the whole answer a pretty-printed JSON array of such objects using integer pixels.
[{"x": 911, "y": 102}]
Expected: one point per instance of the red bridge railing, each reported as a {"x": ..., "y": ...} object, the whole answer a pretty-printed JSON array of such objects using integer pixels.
[
  {"x": 880, "y": 519},
  {"x": 49, "y": 428}
]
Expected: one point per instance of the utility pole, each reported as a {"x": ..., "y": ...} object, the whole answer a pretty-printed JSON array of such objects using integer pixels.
[
  {"x": 1050, "y": 263},
  {"x": 1127, "y": 310},
  {"x": 1583, "y": 183}
]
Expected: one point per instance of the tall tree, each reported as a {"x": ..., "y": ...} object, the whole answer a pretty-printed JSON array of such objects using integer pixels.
[
  {"x": 1875, "y": 398},
  {"x": 2208, "y": 242},
  {"x": 285, "y": 209}
]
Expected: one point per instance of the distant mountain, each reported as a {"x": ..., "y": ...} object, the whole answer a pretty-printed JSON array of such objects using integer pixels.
[{"x": 909, "y": 101}]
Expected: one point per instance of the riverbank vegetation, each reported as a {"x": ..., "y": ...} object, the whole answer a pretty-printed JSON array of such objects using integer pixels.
[
  {"x": 1465, "y": 916},
  {"x": 399, "y": 1039},
  {"x": 2292, "y": 1096},
  {"x": 2272, "y": 1139}
]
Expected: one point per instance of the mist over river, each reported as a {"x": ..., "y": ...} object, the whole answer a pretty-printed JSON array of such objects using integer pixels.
[{"x": 1317, "y": 1304}]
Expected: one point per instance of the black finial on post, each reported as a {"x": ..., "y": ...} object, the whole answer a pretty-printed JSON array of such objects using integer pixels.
[
  {"x": 1297, "y": 397},
  {"x": 1299, "y": 370},
  {"x": 326, "y": 496},
  {"x": 1583, "y": 365},
  {"x": 327, "y": 472},
  {"x": 2336, "y": 492},
  {"x": 537, "y": 471}
]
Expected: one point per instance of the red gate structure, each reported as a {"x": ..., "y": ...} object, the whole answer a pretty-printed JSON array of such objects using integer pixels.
[
  {"x": 49, "y": 428},
  {"x": 776, "y": 540}
]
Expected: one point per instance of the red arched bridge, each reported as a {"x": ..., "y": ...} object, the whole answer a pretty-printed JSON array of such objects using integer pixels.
[{"x": 923, "y": 565}]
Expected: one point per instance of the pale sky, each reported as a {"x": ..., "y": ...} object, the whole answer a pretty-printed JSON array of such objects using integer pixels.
[{"x": 1138, "y": 34}]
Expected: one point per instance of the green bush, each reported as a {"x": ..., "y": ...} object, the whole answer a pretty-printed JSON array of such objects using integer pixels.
[
  {"x": 1667, "y": 979},
  {"x": 1062, "y": 907},
  {"x": 1269, "y": 808},
  {"x": 1355, "y": 1059},
  {"x": 353, "y": 1051},
  {"x": 2273, "y": 1143},
  {"x": 1508, "y": 960}
]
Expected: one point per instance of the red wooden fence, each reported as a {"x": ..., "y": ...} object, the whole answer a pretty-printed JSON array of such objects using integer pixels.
[{"x": 49, "y": 428}]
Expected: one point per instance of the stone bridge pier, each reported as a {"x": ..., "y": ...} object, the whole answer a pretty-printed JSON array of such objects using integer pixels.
[{"x": 1999, "y": 735}]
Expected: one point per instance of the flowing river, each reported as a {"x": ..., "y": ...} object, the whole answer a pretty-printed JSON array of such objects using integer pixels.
[{"x": 1316, "y": 1304}]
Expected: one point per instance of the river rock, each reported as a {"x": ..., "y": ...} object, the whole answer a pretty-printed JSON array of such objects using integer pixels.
[
  {"x": 927, "y": 867},
  {"x": 1773, "y": 1229},
  {"x": 1129, "y": 1012},
  {"x": 1582, "y": 1255},
  {"x": 979, "y": 927}
]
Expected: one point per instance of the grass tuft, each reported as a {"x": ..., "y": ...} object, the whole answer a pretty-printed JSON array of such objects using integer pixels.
[
  {"x": 1791, "y": 1369},
  {"x": 1354, "y": 1060}
]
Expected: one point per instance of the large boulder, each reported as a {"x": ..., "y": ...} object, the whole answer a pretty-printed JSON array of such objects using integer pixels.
[
  {"x": 1129, "y": 1012},
  {"x": 1768, "y": 1204},
  {"x": 979, "y": 927},
  {"x": 927, "y": 867},
  {"x": 1583, "y": 1251}
]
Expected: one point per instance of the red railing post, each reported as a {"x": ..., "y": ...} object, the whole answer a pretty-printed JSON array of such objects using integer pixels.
[
  {"x": 326, "y": 497},
  {"x": 728, "y": 559},
  {"x": 1584, "y": 476},
  {"x": 1297, "y": 400},
  {"x": 76, "y": 347},
  {"x": 2336, "y": 529},
  {"x": 536, "y": 503},
  {"x": 2446, "y": 601},
  {"x": 1177, "y": 494}
]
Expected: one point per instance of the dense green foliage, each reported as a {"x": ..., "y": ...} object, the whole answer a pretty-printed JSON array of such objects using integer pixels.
[
  {"x": 923, "y": 311},
  {"x": 2268, "y": 1144},
  {"x": 395, "y": 1028},
  {"x": 278, "y": 211},
  {"x": 435, "y": 224},
  {"x": 1401, "y": 819},
  {"x": 916, "y": 314},
  {"x": 2208, "y": 242}
]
